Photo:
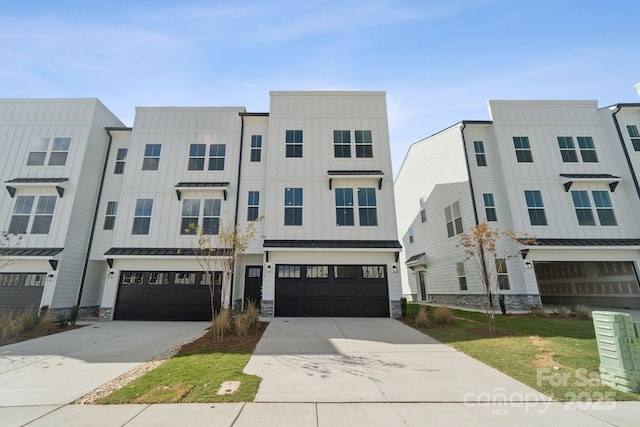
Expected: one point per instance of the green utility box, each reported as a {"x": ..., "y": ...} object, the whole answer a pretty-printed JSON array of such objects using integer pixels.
[
  {"x": 619, "y": 357},
  {"x": 637, "y": 325}
]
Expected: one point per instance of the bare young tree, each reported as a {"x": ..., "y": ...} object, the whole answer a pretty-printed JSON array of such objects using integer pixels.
[
  {"x": 490, "y": 248},
  {"x": 221, "y": 252},
  {"x": 7, "y": 242}
]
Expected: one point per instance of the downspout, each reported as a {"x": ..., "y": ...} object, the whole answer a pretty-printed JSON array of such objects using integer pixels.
[
  {"x": 235, "y": 217},
  {"x": 624, "y": 149},
  {"x": 466, "y": 160},
  {"x": 95, "y": 215}
]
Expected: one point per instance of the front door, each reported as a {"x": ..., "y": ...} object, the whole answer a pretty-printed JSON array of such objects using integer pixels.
[
  {"x": 253, "y": 285},
  {"x": 423, "y": 286}
]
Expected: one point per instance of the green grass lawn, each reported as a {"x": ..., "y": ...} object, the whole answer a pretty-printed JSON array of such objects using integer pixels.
[
  {"x": 531, "y": 350},
  {"x": 192, "y": 377}
]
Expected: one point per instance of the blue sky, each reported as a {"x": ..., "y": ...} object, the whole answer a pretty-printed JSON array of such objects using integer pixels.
[{"x": 439, "y": 61}]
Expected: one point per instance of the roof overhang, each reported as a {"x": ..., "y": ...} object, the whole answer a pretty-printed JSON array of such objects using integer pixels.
[
  {"x": 154, "y": 253},
  {"x": 16, "y": 183},
  {"x": 570, "y": 178},
  {"x": 333, "y": 245},
  {"x": 201, "y": 186},
  {"x": 48, "y": 254},
  {"x": 417, "y": 262},
  {"x": 355, "y": 174},
  {"x": 586, "y": 244}
]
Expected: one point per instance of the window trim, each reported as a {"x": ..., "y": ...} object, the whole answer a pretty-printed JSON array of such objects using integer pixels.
[
  {"x": 217, "y": 157},
  {"x": 481, "y": 154},
  {"x": 49, "y": 152},
  {"x": 151, "y": 161},
  {"x": 522, "y": 147},
  {"x": 490, "y": 207},
  {"x": 142, "y": 221},
  {"x": 342, "y": 210},
  {"x": 253, "y": 205},
  {"x": 457, "y": 225},
  {"x": 588, "y": 149},
  {"x": 501, "y": 264},
  {"x": 256, "y": 149},
  {"x": 121, "y": 158},
  {"x": 462, "y": 276},
  {"x": 536, "y": 209},
  {"x": 294, "y": 206},
  {"x": 634, "y": 136},
  {"x": 363, "y": 143},
  {"x": 583, "y": 209},
  {"x": 567, "y": 149},
  {"x": 367, "y": 207},
  {"x": 293, "y": 146},
  {"x": 110, "y": 215}
]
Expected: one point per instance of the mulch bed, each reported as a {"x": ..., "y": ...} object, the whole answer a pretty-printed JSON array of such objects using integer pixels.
[
  {"x": 34, "y": 334},
  {"x": 230, "y": 342}
]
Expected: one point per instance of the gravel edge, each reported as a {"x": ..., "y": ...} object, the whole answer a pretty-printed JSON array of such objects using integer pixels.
[{"x": 124, "y": 379}]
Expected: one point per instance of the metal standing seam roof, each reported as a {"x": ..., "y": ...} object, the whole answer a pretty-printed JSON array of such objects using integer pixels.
[
  {"x": 415, "y": 258},
  {"x": 36, "y": 180},
  {"x": 587, "y": 242},
  {"x": 153, "y": 252},
  {"x": 589, "y": 175},
  {"x": 355, "y": 172},
  {"x": 201, "y": 184},
  {"x": 34, "y": 252},
  {"x": 333, "y": 244}
]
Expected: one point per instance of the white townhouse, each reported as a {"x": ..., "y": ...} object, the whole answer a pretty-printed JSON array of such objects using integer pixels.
[
  {"x": 562, "y": 171},
  {"x": 316, "y": 168},
  {"x": 50, "y": 172}
]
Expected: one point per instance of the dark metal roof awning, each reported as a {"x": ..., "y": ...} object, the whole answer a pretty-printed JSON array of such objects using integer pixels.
[
  {"x": 612, "y": 180},
  {"x": 30, "y": 252},
  {"x": 12, "y": 184},
  {"x": 182, "y": 186},
  {"x": 334, "y": 244},
  {"x": 356, "y": 174},
  {"x": 417, "y": 261},
  {"x": 155, "y": 252},
  {"x": 587, "y": 242}
]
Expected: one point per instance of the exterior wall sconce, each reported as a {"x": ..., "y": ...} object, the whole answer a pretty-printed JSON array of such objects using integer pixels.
[
  {"x": 528, "y": 265},
  {"x": 50, "y": 277},
  {"x": 110, "y": 274},
  {"x": 268, "y": 268},
  {"x": 394, "y": 268}
]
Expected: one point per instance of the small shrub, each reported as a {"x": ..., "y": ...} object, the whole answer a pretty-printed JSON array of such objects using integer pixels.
[
  {"x": 563, "y": 312},
  {"x": 221, "y": 325},
  {"x": 45, "y": 323},
  {"x": 253, "y": 315},
  {"x": 539, "y": 312},
  {"x": 582, "y": 312},
  {"x": 242, "y": 324},
  {"x": 62, "y": 320},
  {"x": 443, "y": 316},
  {"x": 421, "y": 319},
  {"x": 412, "y": 310}
]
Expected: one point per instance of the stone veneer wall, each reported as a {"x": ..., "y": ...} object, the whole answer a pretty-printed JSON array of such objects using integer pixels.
[
  {"x": 519, "y": 302},
  {"x": 396, "y": 310},
  {"x": 266, "y": 308},
  {"x": 105, "y": 313}
]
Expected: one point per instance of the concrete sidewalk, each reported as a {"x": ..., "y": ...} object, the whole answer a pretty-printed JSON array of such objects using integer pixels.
[{"x": 59, "y": 368}]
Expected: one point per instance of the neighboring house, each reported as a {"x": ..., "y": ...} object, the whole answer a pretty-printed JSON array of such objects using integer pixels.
[
  {"x": 54, "y": 152},
  {"x": 562, "y": 171},
  {"x": 316, "y": 168}
]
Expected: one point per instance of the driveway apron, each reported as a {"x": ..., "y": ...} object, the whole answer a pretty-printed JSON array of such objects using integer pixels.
[
  {"x": 371, "y": 360},
  {"x": 59, "y": 368}
]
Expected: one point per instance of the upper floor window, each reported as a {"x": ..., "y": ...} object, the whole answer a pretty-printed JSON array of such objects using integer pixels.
[
  {"x": 583, "y": 207},
  {"x": 364, "y": 143},
  {"x": 253, "y": 206},
  {"x": 490, "y": 207},
  {"x": 462, "y": 276},
  {"x": 142, "y": 216},
  {"x": 604, "y": 207},
  {"x": 217, "y": 153},
  {"x": 587, "y": 149},
  {"x": 57, "y": 153},
  {"x": 256, "y": 148},
  {"x": 342, "y": 143},
  {"x": 344, "y": 206},
  {"x": 411, "y": 239},
  {"x": 121, "y": 157},
  {"x": 635, "y": 136},
  {"x": 481, "y": 156},
  {"x": 197, "y": 154},
  {"x": 423, "y": 215},
  {"x": 502, "y": 273},
  {"x": 22, "y": 214},
  {"x": 523, "y": 149},
  {"x": 535, "y": 206},
  {"x": 453, "y": 217},
  {"x": 367, "y": 208},
  {"x": 602, "y": 202},
  {"x": 293, "y": 206},
  {"x": 567, "y": 149},
  {"x": 110, "y": 215},
  {"x": 151, "y": 157},
  {"x": 191, "y": 216},
  {"x": 293, "y": 143}
]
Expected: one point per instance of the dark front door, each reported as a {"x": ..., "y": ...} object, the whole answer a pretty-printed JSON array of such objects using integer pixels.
[
  {"x": 253, "y": 285},
  {"x": 423, "y": 286}
]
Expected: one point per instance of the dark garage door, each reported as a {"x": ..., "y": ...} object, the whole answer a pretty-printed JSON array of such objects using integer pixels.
[
  {"x": 338, "y": 291},
  {"x": 165, "y": 296},
  {"x": 21, "y": 291}
]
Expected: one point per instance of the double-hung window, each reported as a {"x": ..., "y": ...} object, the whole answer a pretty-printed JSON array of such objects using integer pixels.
[
  {"x": 502, "y": 274},
  {"x": 59, "y": 151},
  {"x": 367, "y": 207},
  {"x": 256, "y": 148},
  {"x": 604, "y": 207},
  {"x": 293, "y": 143},
  {"x": 253, "y": 206},
  {"x": 523, "y": 149},
  {"x": 364, "y": 143},
  {"x": 197, "y": 154},
  {"x": 453, "y": 218},
  {"x": 410, "y": 232},
  {"x": 635, "y": 136},
  {"x": 110, "y": 216},
  {"x": 344, "y": 206},
  {"x": 293, "y": 206},
  {"x": 142, "y": 216},
  {"x": 490, "y": 207},
  {"x": 211, "y": 216},
  {"x": 216, "y": 156},
  {"x": 462, "y": 276},
  {"x": 535, "y": 206},
  {"x": 190, "y": 223},
  {"x": 583, "y": 208},
  {"x": 151, "y": 159},
  {"x": 121, "y": 157},
  {"x": 481, "y": 156},
  {"x": 190, "y": 216},
  {"x": 587, "y": 149},
  {"x": 42, "y": 217},
  {"x": 567, "y": 149},
  {"x": 57, "y": 155},
  {"x": 342, "y": 143}
]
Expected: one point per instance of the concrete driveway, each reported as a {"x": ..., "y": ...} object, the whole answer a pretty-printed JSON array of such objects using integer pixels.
[
  {"x": 371, "y": 360},
  {"x": 59, "y": 368}
]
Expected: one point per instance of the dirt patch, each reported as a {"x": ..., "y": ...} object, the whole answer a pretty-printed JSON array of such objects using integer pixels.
[
  {"x": 544, "y": 358},
  {"x": 35, "y": 334},
  {"x": 230, "y": 342},
  {"x": 172, "y": 393}
]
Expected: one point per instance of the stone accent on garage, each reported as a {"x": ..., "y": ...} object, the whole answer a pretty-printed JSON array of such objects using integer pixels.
[{"x": 518, "y": 302}]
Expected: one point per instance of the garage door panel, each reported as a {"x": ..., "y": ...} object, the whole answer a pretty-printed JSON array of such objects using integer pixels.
[{"x": 323, "y": 290}]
